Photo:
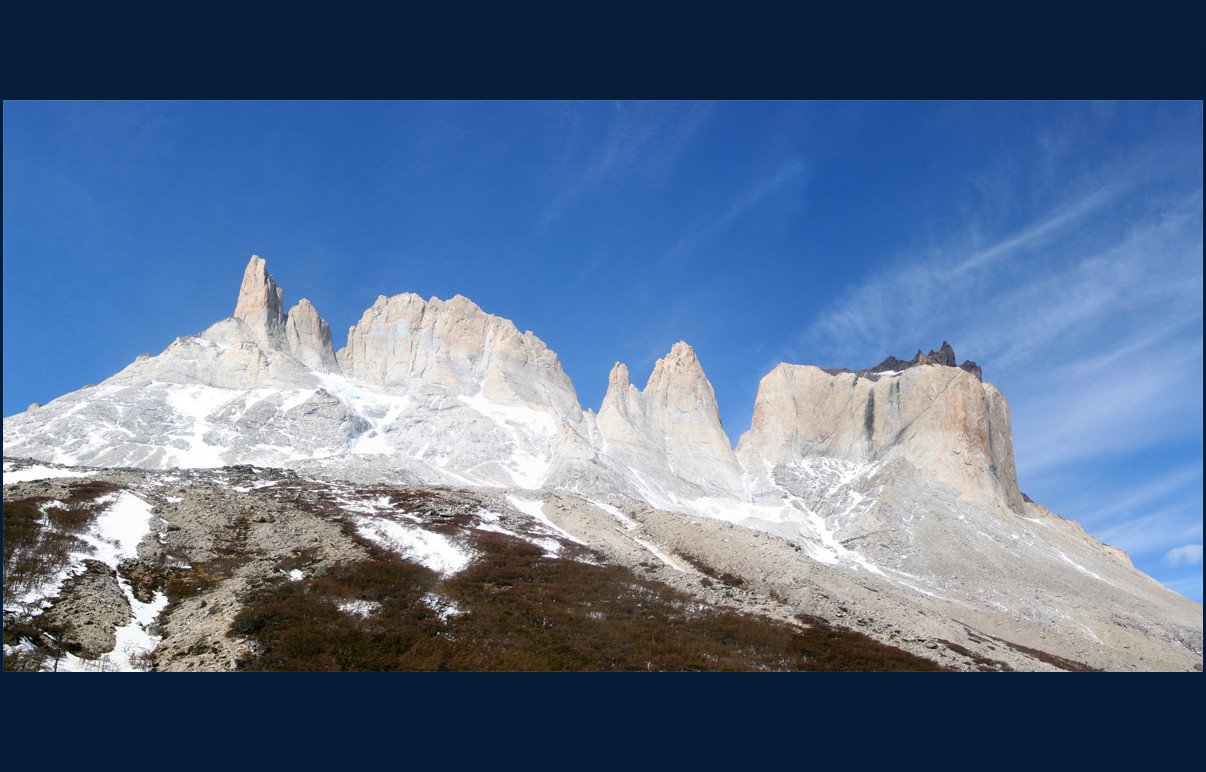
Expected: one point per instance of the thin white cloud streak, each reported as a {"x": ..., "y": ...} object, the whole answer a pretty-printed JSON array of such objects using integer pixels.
[
  {"x": 1065, "y": 336},
  {"x": 1107, "y": 506},
  {"x": 1155, "y": 532},
  {"x": 742, "y": 204},
  {"x": 1189, "y": 555},
  {"x": 1153, "y": 279},
  {"x": 1035, "y": 235},
  {"x": 1118, "y": 411},
  {"x": 900, "y": 302},
  {"x": 645, "y": 138}
]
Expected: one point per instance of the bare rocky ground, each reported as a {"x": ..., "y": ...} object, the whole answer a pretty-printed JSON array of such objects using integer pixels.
[
  {"x": 218, "y": 535},
  {"x": 92, "y": 606},
  {"x": 778, "y": 581}
]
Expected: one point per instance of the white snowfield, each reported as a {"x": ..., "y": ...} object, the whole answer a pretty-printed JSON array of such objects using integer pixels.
[
  {"x": 36, "y": 472},
  {"x": 433, "y": 550}
]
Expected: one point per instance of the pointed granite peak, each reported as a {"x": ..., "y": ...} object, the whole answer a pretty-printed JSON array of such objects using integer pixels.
[
  {"x": 680, "y": 361},
  {"x": 682, "y": 352},
  {"x": 260, "y": 300},
  {"x": 671, "y": 430},
  {"x": 618, "y": 394},
  {"x": 618, "y": 377},
  {"x": 309, "y": 337},
  {"x": 679, "y": 379}
]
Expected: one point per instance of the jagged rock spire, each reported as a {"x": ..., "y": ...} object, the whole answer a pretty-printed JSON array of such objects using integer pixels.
[
  {"x": 302, "y": 333},
  {"x": 944, "y": 356},
  {"x": 671, "y": 429},
  {"x": 680, "y": 371},
  {"x": 260, "y": 300},
  {"x": 309, "y": 336}
]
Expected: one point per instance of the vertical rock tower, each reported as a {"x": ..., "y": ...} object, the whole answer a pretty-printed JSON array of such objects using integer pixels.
[
  {"x": 670, "y": 431},
  {"x": 302, "y": 333},
  {"x": 939, "y": 417}
]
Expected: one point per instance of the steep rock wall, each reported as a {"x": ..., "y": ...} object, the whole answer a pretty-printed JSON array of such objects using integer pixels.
[{"x": 942, "y": 419}]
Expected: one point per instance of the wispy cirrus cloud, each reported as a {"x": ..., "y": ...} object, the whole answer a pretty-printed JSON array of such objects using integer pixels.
[
  {"x": 1188, "y": 555},
  {"x": 743, "y": 203},
  {"x": 916, "y": 293},
  {"x": 1153, "y": 532},
  {"x": 1109, "y": 506},
  {"x": 1190, "y": 587},
  {"x": 1097, "y": 341},
  {"x": 1035, "y": 235},
  {"x": 639, "y": 137},
  {"x": 1119, "y": 410}
]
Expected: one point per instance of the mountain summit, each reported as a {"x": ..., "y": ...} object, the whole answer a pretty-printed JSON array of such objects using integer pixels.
[
  {"x": 260, "y": 300},
  {"x": 670, "y": 431},
  {"x": 892, "y": 488}
]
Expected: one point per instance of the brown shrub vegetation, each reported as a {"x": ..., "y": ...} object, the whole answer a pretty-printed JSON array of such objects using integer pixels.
[
  {"x": 522, "y": 611},
  {"x": 1051, "y": 659},
  {"x": 34, "y": 549}
]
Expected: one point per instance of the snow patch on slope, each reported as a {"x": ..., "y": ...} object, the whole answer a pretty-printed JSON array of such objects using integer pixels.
[
  {"x": 628, "y": 523},
  {"x": 194, "y": 404},
  {"x": 528, "y": 466},
  {"x": 360, "y": 608},
  {"x": 658, "y": 554},
  {"x": 433, "y": 550},
  {"x": 535, "y": 509},
  {"x": 631, "y": 525},
  {"x": 36, "y": 472},
  {"x": 443, "y": 607},
  {"x": 113, "y": 538},
  {"x": 116, "y": 533},
  {"x": 819, "y": 496},
  {"x": 381, "y": 410}
]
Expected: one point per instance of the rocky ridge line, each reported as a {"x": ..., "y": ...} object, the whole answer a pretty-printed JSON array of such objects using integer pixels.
[{"x": 944, "y": 356}]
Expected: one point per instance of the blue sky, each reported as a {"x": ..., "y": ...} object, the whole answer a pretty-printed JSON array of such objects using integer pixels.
[{"x": 1057, "y": 244}]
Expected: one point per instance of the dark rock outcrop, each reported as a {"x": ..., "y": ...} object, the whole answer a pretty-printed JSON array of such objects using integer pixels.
[{"x": 944, "y": 356}]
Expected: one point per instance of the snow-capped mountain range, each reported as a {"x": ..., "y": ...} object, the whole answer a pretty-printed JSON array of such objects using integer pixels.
[
  {"x": 441, "y": 392},
  {"x": 900, "y": 475}
]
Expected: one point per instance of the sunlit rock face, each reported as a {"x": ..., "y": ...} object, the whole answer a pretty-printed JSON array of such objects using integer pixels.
[
  {"x": 670, "y": 432},
  {"x": 897, "y": 480},
  {"x": 405, "y": 343},
  {"x": 940, "y": 418},
  {"x": 487, "y": 404},
  {"x": 308, "y": 338},
  {"x": 261, "y": 303}
]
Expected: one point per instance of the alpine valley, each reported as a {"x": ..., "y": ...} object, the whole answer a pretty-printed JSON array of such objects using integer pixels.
[{"x": 433, "y": 496}]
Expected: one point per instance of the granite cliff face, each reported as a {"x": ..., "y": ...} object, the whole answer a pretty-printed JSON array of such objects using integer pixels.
[
  {"x": 441, "y": 391},
  {"x": 670, "y": 431},
  {"x": 899, "y": 478},
  {"x": 261, "y": 302},
  {"x": 938, "y": 417},
  {"x": 406, "y": 344},
  {"x": 301, "y": 333}
]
